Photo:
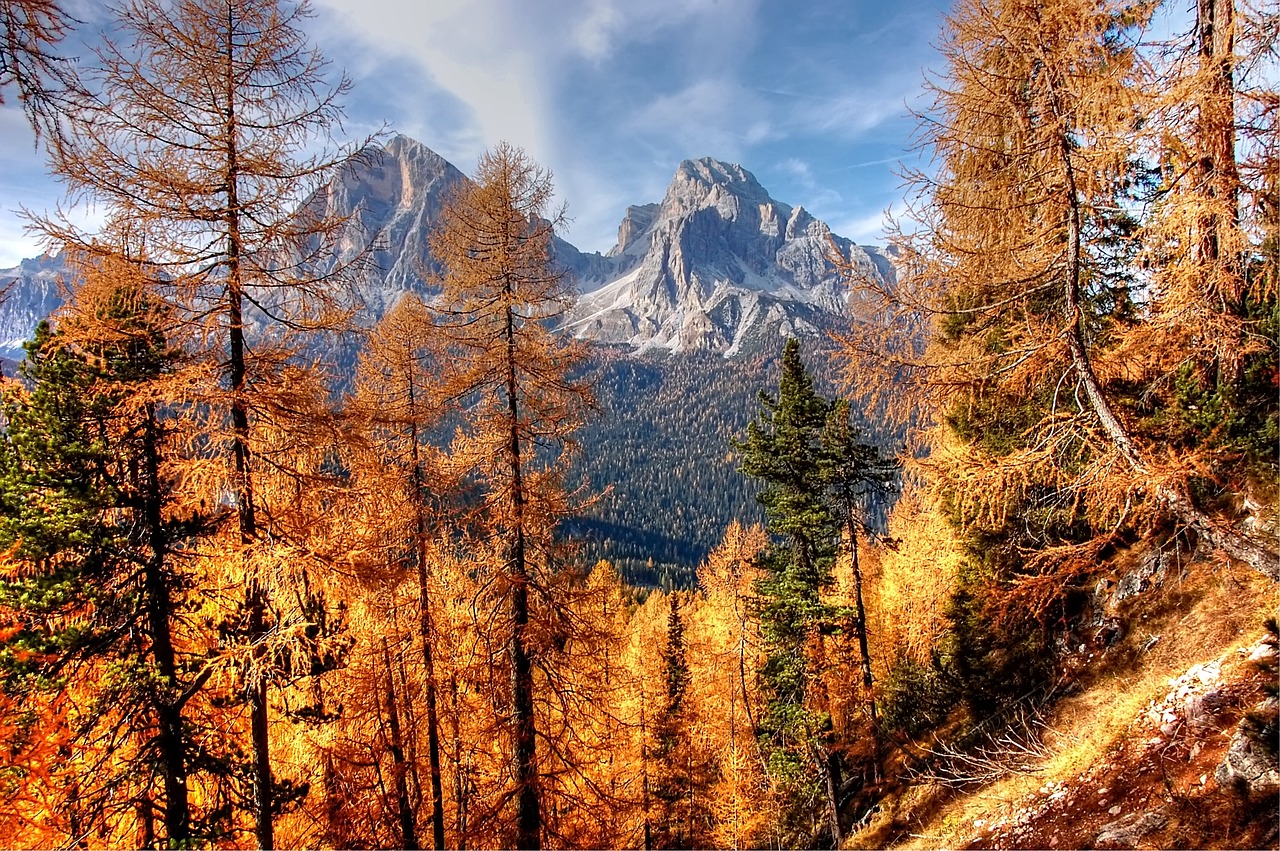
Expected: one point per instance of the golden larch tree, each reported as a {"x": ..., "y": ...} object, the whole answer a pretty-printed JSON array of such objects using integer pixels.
[
  {"x": 192, "y": 131},
  {"x": 502, "y": 293}
]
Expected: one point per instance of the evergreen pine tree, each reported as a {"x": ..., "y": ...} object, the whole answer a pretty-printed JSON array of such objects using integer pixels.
[
  {"x": 673, "y": 783},
  {"x": 784, "y": 450}
]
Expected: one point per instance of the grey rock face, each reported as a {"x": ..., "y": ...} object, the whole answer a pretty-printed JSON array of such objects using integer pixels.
[
  {"x": 1128, "y": 831},
  {"x": 717, "y": 266},
  {"x": 720, "y": 266},
  {"x": 32, "y": 291},
  {"x": 391, "y": 197},
  {"x": 1250, "y": 765}
]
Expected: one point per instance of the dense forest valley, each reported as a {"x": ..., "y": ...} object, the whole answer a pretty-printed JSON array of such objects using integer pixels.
[
  {"x": 665, "y": 430},
  {"x": 991, "y": 561}
]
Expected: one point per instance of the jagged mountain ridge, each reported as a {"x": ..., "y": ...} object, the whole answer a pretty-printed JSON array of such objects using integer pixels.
[
  {"x": 717, "y": 250},
  {"x": 390, "y": 198},
  {"x": 31, "y": 292},
  {"x": 718, "y": 265}
]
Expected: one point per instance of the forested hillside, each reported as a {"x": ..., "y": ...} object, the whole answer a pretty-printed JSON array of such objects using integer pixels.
[
  {"x": 991, "y": 561},
  {"x": 661, "y": 464}
]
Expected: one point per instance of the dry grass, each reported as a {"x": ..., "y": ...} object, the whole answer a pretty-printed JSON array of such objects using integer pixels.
[{"x": 1206, "y": 616}]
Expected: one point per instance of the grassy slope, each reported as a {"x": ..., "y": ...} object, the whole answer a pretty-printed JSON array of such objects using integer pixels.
[{"x": 1105, "y": 757}]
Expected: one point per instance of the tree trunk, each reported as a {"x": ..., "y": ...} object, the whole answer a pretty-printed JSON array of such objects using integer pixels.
[
  {"x": 864, "y": 648},
  {"x": 170, "y": 739},
  {"x": 460, "y": 778},
  {"x": 1233, "y": 542},
  {"x": 529, "y": 817},
  {"x": 426, "y": 630},
  {"x": 399, "y": 771},
  {"x": 263, "y": 788},
  {"x": 644, "y": 775},
  {"x": 830, "y": 772},
  {"x": 1215, "y": 131},
  {"x": 264, "y": 791}
]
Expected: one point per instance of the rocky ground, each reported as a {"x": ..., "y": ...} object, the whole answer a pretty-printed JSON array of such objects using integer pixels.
[
  {"x": 1179, "y": 778},
  {"x": 1147, "y": 749}
]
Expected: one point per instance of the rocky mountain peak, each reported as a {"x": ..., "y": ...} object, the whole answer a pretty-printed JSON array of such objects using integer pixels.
[
  {"x": 635, "y": 224},
  {"x": 710, "y": 183},
  {"x": 707, "y": 174},
  {"x": 720, "y": 266}
]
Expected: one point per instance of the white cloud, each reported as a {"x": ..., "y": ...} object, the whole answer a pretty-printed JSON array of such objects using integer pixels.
[
  {"x": 866, "y": 229},
  {"x": 798, "y": 169},
  {"x": 475, "y": 50},
  {"x": 603, "y": 26},
  {"x": 711, "y": 117}
]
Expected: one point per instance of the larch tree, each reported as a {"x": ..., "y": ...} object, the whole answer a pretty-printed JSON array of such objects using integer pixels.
[
  {"x": 855, "y": 472},
  {"x": 192, "y": 133},
  {"x": 501, "y": 293},
  {"x": 29, "y": 32},
  {"x": 1022, "y": 311},
  {"x": 675, "y": 778},
  {"x": 399, "y": 400},
  {"x": 727, "y": 653},
  {"x": 1204, "y": 355}
]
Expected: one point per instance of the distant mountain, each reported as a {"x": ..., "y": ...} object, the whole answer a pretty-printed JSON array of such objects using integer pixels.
[
  {"x": 720, "y": 266},
  {"x": 391, "y": 197},
  {"x": 29, "y": 292},
  {"x": 718, "y": 273}
]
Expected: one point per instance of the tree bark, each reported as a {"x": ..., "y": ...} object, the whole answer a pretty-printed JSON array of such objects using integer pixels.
[
  {"x": 399, "y": 771},
  {"x": 426, "y": 630},
  {"x": 864, "y": 645},
  {"x": 529, "y": 816},
  {"x": 171, "y": 739},
  {"x": 1215, "y": 131}
]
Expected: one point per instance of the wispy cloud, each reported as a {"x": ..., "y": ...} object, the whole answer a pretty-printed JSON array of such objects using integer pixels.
[
  {"x": 868, "y": 229},
  {"x": 718, "y": 117},
  {"x": 612, "y": 94}
]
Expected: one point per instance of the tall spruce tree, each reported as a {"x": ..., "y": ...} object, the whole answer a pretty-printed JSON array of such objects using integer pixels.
[
  {"x": 783, "y": 449},
  {"x": 681, "y": 771},
  {"x": 856, "y": 473}
]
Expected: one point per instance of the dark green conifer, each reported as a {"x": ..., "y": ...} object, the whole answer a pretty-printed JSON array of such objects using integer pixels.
[
  {"x": 673, "y": 778},
  {"x": 85, "y": 510},
  {"x": 784, "y": 450}
]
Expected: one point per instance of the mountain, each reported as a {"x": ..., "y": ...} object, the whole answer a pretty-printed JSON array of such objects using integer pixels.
[
  {"x": 31, "y": 291},
  {"x": 391, "y": 197},
  {"x": 718, "y": 272},
  {"x": 717, "y": 266},
  {"x": 720, "y": 266}
]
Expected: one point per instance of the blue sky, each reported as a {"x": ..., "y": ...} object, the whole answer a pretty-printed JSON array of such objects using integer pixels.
[{"x": 812, "y": 97}]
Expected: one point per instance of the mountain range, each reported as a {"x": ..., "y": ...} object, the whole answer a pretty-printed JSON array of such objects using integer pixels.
[{"x": 716, "y": 266}]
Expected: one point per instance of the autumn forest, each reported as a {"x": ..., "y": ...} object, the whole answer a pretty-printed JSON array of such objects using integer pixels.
[{"x": 246, "y": 601}]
